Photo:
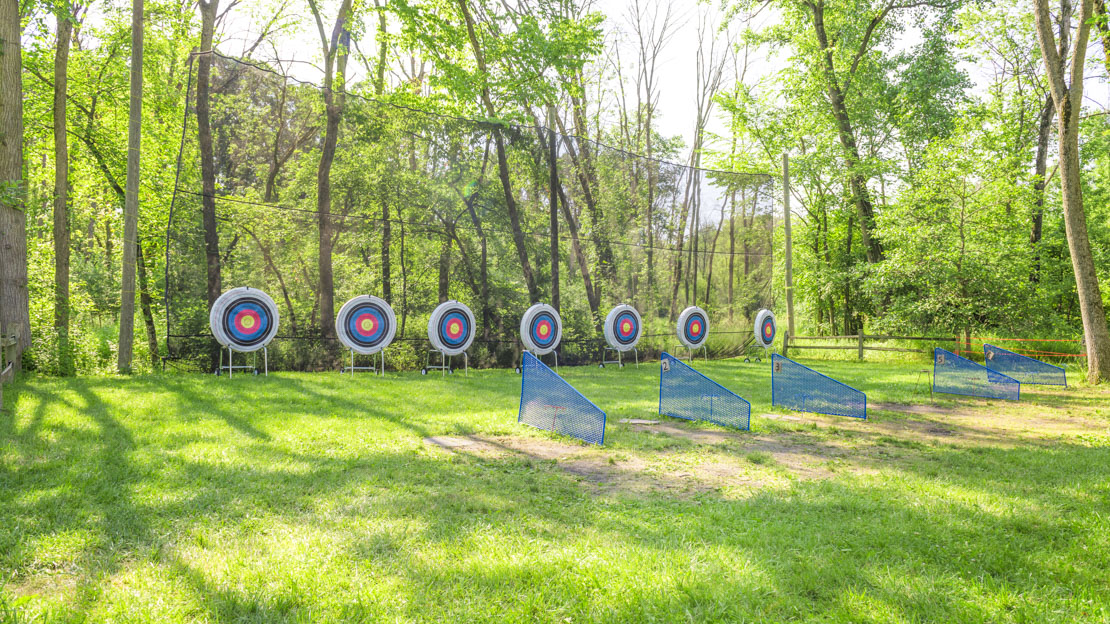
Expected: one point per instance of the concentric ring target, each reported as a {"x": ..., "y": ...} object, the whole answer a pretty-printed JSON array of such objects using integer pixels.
[
  {"x": 244, "y": 319},
  {"x": 451, "y": 328},
  {"x": 541, "y": 329},
  {"x": 693, "y": 327},
  {"x": 765, "y": 328},
  {"x": 366, "y": 324},
  {"x": 623, "y": 327}
]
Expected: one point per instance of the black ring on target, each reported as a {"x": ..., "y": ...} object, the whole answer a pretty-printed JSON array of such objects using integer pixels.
[
  {"x": 544, "y": 330},
  {"x": 367, "y": 325},
  {"x": 246, "y": 321},
  {"x": 694, "y": 329},
  {"x": 626, "y": 328}
]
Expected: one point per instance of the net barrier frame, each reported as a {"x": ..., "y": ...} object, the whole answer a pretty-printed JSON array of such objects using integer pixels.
[
  {"x": 1032, "y": 377},
  {"x": 1004, "y": 384},
  {"x": 594, "y": 430},
  {"x": 805, "y": 405},
  {"x": 670, "y": 364}
]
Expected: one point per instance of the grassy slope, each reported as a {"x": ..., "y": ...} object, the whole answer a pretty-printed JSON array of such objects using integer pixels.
[{"x": 305, "y": 497}]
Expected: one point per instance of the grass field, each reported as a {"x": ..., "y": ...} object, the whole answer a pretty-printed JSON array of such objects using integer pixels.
[{"x": 315, "y": 497}]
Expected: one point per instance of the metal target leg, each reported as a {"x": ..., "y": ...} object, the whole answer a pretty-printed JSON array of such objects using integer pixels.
[
  {"x": 466, "y": 365},
  {"x": 229, "y": 363},
  {"x": 266, "y": 361},
  {"x": 636, "y": 353}
]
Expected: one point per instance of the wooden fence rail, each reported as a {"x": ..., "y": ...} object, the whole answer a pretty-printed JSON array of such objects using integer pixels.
[{"x": 860, "y": 340}]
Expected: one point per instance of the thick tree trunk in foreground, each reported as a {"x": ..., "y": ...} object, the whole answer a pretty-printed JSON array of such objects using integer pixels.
[
  {"x": 207, "y": 160},
  {"x": 131, "y": 202},
  {"x": 61, "y": 191},
  {"x": 14, "y": 311},
  {"x": 1068, "y": 97}
]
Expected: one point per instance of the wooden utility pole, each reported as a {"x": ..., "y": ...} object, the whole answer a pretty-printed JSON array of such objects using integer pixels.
[
  {"x": 131, "y": 199},
  {"x": 789, "y": 254}
]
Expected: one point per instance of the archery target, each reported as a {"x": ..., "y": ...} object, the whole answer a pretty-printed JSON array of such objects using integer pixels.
[
  {"x": 623, "y": 328},
  {"x": 765, "y": 328},
  {"x": 541, "y": 329},
  {"x": 366, "y": 324},
  {"x": 693, "y": 327},
  {"x": 451, "y": 327},
  {"x": 244, "y": 319}
]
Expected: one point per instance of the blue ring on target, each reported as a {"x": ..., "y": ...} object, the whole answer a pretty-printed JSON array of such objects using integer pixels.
[
  {"x": 626, "y": 328},
  {"x": 367, "y": 325},
  {"x": 544, "y": 330},
  {"x": 247, "y": 321},
  {"x": 454, "y": 328}
]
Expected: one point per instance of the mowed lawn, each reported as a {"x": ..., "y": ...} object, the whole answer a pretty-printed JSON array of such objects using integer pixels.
[{"x": 316, "y": 497}]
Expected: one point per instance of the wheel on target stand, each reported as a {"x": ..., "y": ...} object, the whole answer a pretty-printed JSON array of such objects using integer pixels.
[{"x": 424, "y": 371}]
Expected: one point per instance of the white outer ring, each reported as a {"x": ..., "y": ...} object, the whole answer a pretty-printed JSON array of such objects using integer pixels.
[
  {"x": 433, "y": 325},
  {"x": 354, "y": 346},
  {"x": 221, "y": 304},
  {"x": 611, "y": 336},
  {"x": 526, "y": 320},
  {"x": 681, "y": 325},
  {"x": 758, "y": 327}
]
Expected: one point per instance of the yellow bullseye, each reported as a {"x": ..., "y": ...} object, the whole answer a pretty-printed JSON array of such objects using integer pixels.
[
  {"x": 247, "y": 322},
  {"x": 543, "y": 330},
  {"x": 626, "y": 327},
  {"x": 367, "y": 325},
  {"x": 453, "y": 328}
]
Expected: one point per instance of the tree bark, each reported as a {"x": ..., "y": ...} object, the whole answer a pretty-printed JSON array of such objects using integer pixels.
[
  {"x": 1068, "y": 97},
  {"x": 61, "y": 190},
  {"x": 444, "y": 268},
  {"x": 14, "y": 308},
  {"x": 1040, "y": 167},
  {"x": 207, "y": 160},
  {"x": 336, "y": 53},
  {"x": 131, "y": 203},
  {"x": 387, "y": 242},
  {"x": 146, "y": 305},
  {"x": 502, "y": 158},
  {"x": 847, "y": 135}
]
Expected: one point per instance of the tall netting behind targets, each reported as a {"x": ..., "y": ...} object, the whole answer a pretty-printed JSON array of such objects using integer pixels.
[{"x": 420, "y": 214}]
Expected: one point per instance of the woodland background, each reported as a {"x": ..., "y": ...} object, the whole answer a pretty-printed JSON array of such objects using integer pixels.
[{"x": 922, "y": 140}]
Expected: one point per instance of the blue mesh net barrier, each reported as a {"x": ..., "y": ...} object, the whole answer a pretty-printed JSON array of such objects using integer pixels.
[
  {"x": 1023, "y": 368},
  {"x": 953, "y": 374},
  {"x": 685, "y": 393},
  {"x": 547, "y": 401},
  {"x": 803, "y": 389}
]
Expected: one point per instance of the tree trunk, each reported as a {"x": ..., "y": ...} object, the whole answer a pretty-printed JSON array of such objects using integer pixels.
[
  {"x": 207, "y": 160},
  {"x": 857, "y": 182},
  {"x": 1040, "y": 167},
  {"x": 146, "y": 305},
  {"x": 131, "y": 204},
  {"x": 61, "y": 191},
  {"x": 14, "y": 310},
  {"x": 553, "y": 210},
  {"x": 1068, "y": 99},
  {"x": 444, "y": 268}
]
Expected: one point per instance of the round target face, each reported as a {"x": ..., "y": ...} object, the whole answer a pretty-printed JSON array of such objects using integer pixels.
[
  {"x": 623, "y": 328},
  {"x": 541, "y": 329},
  {"x": 693, "y": 327},
  {"x": 451, "y": 328},
  {"x": 244, "y": 319},
  {"x": 765, "y": 328},
  {"x": 366, "y": 324}
]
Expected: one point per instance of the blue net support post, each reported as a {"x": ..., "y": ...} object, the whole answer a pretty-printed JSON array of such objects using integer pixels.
[
  {"x": 687, "y": 394},
  {"x": 1023, "y": 368},
  {"x": 800, "y": 388},
  {"x": 548, "y": 402},
  {"x": 955, "y": 374},
  {"x": 253, "y": 366},
  {"x": 377, "y": 364},
  {"x": 444, "y": 365}
]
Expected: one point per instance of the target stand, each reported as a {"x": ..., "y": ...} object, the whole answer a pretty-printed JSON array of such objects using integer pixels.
[
  {"x": 253, "y": 366},
  {"x": 623, "y": 328},
  {"x": 541, "y": 330},
  {"x": 451, "y": 330},
  {"x": 243, "y": 320},
  {"x": 377, "y": 364},
  {"x": 366, "y": 325}
]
